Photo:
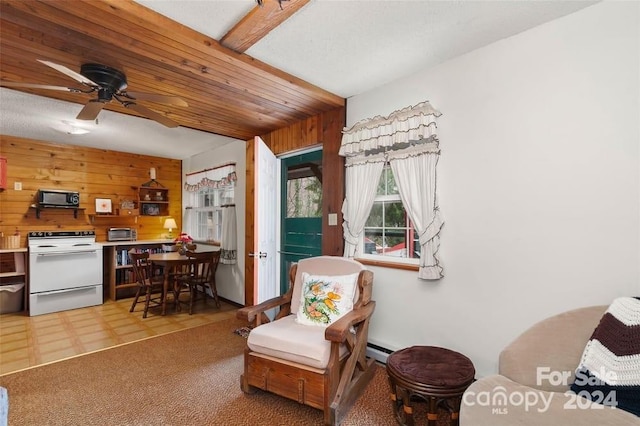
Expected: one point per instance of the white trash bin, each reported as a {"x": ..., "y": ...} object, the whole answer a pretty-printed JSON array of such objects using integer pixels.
[{"x": 11, "y": 298}]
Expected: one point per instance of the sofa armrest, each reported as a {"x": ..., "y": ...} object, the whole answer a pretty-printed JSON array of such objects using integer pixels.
[{"x": 554, "y": 345}]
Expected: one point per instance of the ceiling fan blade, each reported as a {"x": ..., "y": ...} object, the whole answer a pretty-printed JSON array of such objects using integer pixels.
[
  {"x": 64, "y": 70},
  {"x": 90, "y": 110},
  {"x": 153, "y": 97},
  {"x": 36, "y": 86},
  {"x": 149, "y": 113}
]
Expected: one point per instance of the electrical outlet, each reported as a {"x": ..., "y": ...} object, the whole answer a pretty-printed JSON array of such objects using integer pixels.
[{"x": 17, "y": 186}]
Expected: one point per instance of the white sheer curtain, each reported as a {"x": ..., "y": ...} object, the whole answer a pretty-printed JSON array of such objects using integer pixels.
[
  {"x": 223, "y": 178},
  {"x": 407, "y": 139},
  {"x": 415, "y": 175},
  {"x": 229, "y": 241},
  {"x": 361, "y": 181}
]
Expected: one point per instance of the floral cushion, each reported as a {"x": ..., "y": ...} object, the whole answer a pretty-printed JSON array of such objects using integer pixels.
[{"x": 325, "y": 298}]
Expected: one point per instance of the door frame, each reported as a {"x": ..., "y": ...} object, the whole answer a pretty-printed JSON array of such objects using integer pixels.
[{"x": 325, "y": 129}]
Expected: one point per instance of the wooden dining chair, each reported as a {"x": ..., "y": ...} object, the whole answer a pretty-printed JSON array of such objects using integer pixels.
[
  {"x": 201, "y": 275},
  {"x": 149, "y": 283}
]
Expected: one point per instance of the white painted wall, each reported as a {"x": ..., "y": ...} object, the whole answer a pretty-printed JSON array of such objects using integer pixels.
[
  {"x": 229, "y": 278},
  {"x": 539, "y": 183}
]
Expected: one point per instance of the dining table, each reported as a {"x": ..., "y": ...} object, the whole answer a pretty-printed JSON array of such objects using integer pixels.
[{"x": 169, "y": 261}]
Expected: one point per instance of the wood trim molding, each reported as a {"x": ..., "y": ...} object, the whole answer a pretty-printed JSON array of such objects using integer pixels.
[
  {"x": 385, "y": 264},
  {"x": 259, "y": 22}
]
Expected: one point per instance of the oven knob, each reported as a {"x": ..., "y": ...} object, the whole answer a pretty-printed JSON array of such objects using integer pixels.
[{"x": 49, "y": 233}]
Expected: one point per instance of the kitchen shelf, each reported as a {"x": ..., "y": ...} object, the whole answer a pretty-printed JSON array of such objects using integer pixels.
[
  {"x": 38, "y": 209},
  {"x": 17, "y": 273}
]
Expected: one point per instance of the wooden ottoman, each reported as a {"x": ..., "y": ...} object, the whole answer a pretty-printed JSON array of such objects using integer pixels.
[{"x": 437, "y": 376}]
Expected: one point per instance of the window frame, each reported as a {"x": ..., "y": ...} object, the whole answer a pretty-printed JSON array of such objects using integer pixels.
[
  {"x": 407, "y": 263},
  {"x": 215, "y": 208}
]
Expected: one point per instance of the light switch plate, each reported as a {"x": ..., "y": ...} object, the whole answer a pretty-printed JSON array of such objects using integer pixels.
[
  {"x": 17, "y": 186},
  {"x": 332, "y": 219}
]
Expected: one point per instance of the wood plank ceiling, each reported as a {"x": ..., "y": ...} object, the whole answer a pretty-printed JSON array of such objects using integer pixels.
[{"x": 228, "y": 92}]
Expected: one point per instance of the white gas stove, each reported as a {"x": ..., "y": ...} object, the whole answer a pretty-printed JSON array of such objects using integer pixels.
[{"x": 65, "y": 271}]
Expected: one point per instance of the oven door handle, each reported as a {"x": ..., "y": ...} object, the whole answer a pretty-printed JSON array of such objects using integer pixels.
[
  {"x": 67, "y": 290},
  {"x": 67, "y": 253}
]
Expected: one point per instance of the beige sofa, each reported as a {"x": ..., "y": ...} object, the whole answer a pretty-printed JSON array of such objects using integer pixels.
[{"x": 536, "y": 370}]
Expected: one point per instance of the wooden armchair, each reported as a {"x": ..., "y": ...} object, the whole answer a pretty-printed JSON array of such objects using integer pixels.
[{"x": 323, "y": 366}]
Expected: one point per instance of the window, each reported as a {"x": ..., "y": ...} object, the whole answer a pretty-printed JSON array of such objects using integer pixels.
[
  {"x": 388, "y": 232},
  {"x": 206, "y": 212},
  {"x": 304, "y": 197}
]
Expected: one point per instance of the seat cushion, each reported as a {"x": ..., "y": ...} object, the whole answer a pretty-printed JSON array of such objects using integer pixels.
[{"x": 286, "y": 339}]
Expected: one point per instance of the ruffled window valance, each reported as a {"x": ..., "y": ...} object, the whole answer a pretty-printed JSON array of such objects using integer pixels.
[
  {"x": 218, "y": 177},
  {"x": 400, "y": 129}
]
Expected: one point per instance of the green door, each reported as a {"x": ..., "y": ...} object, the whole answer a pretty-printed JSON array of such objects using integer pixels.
[{"x": 301, "y": 226}]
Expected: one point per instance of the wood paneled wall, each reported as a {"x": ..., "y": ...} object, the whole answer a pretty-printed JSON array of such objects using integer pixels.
[
  {"x": 94, "y": 173},
  {"x": 324, "y": 129}
]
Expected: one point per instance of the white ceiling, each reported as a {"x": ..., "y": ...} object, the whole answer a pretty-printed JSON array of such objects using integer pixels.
[{"x": 344, "y": 46}]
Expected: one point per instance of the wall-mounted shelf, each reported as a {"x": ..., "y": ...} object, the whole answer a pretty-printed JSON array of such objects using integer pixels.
[
  {"x": 153, "y": 200},
  {"x": 92, "y": 217},
  {"x": 38, "y": 209}
]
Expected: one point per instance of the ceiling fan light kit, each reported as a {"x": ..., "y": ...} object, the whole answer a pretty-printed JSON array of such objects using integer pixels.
[{"x": 109, "y": 83}]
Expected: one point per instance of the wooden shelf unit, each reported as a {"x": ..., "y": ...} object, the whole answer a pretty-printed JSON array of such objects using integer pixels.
[
  {"x": 118, "y": 269},
  {"x": 15, "y": 272},
  {"x": 153, "y": 200}
]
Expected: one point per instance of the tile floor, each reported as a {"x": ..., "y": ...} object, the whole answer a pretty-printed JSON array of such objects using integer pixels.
[{"x": 29, "y": 341}]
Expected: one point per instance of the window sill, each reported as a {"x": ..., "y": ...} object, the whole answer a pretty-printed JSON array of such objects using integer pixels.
[
  {"x": 209, "y": 243},
  {"x": 387, "y": 264}
]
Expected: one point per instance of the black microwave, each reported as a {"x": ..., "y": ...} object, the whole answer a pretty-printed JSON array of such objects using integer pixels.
[{"x": 58, "y": 198}]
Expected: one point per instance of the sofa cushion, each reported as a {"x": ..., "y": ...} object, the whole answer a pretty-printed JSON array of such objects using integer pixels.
[
  {"x": 497, "y": 401},
  {"x": 324, "y": 298},
  {"x": 609, "y": 371},
  {"x": 286, "y": 339}
]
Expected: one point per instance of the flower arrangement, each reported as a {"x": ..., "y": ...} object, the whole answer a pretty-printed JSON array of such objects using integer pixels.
[{"x": 183, "y": 238}]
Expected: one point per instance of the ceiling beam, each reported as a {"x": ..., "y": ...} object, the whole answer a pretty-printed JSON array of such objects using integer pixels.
[{"x": 259, "y": 22}]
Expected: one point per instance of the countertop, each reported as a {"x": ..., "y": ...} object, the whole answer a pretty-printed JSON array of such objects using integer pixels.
[{"x": 133, "y": 243}]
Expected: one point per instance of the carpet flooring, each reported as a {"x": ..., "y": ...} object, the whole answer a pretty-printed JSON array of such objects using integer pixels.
[{"x": 189, "y": 377}]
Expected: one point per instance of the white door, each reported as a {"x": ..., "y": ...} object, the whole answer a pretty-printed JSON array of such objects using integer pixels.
[{"x": 266, "y": 220}]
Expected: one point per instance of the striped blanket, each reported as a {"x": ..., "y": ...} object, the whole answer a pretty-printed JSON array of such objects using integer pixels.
[{"x": 609, "y": 371}]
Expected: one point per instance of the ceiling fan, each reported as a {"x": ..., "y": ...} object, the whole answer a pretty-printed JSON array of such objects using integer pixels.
[{"x": 110, "y": 84}]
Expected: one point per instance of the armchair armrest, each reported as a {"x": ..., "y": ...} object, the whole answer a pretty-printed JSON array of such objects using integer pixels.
[
  {"x": 338, "y": 331},
  {"x": 253, "y": 313}
]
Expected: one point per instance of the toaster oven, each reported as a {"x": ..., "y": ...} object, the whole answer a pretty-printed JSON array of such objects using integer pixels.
[{"x": 121, "y": 234}]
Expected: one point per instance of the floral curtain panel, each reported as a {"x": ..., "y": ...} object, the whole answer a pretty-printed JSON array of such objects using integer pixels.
[{"x": 407, "y": 140}]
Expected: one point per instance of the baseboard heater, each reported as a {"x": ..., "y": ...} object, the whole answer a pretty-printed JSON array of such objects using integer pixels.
[{"x": 378, "y": 353}]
